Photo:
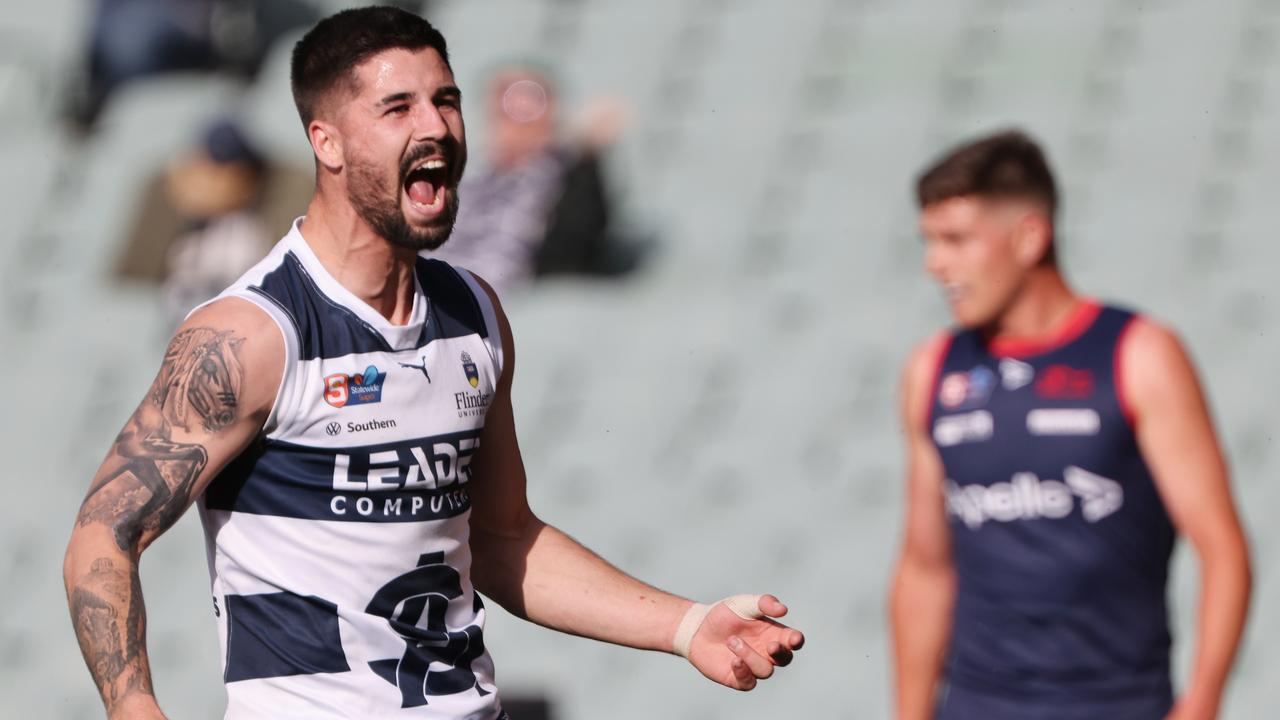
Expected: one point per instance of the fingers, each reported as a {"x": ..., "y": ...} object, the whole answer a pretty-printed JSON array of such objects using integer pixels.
[
  {"x": 772, "y": 607},
  {"x": 795, "y": 639},
  {"x": 760, "y": 666},
  {"x": 780, "y": 654},
  {"x": 742, "y": 677}
]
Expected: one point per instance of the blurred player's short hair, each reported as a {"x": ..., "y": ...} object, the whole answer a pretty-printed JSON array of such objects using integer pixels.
[
  {"x": 327, "y": 54},
  {"x": 1008, "y": 164}
]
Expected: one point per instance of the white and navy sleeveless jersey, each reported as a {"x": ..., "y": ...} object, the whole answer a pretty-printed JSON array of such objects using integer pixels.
[{"x": 338, "y": 541}]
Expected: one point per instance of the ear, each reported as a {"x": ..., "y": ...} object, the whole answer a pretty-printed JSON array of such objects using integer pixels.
[
  {"x": 1032, "y": 238},
  {"x": 327, "y": 144}
]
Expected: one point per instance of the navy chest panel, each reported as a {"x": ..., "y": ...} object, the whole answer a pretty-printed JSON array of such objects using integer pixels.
[{"x": 1042, "y": 437}]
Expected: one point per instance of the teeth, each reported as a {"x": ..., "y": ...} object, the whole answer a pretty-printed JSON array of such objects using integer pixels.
[{"x": 432, "y": 164}]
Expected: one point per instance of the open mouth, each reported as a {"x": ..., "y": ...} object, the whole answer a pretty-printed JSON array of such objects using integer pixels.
[{"x": 426, "y": 185}]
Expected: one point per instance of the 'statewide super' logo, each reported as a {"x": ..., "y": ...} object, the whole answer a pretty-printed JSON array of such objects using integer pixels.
[{"x": 360, "y": 389}]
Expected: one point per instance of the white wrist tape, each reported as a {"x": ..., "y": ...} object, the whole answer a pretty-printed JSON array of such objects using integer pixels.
[{"x": 746, "y": 607}]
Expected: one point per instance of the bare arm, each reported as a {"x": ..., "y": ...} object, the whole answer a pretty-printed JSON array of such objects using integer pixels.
[
  {"x": 210, "y": 398},
  {"x": 543, "y": 575},
  {"x": 1178, "y": 442},
  {"x": 923, "y": 590}
]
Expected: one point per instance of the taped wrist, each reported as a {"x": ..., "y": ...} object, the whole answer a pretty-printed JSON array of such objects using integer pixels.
[{"x": 746, "y": 607}]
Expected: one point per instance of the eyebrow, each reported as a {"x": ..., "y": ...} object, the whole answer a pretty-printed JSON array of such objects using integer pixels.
[{"x": 396, "y": 98}]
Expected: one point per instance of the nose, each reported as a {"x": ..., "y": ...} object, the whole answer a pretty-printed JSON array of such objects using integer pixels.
[
  {"x": 933, "y": 260},
  {"x": 430, "y": 124}
]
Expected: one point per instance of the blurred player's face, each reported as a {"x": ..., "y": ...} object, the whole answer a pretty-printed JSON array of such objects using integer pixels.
[
  {"x": 981, "y": 252},
  {"x": 404, "y": 147}
]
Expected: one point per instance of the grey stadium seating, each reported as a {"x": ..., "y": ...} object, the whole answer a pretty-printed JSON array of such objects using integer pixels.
[{"x": 725, "y": 421}]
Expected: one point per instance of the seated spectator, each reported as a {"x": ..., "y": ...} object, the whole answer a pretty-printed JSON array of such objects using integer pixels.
[
  {"x": 540, "y": 207},
  {"x": 216, "y": 188},
  {"x": 131, "y": 39}
]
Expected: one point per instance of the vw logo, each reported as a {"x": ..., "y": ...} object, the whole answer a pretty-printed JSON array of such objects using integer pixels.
[{"x": 333, "y": 428}]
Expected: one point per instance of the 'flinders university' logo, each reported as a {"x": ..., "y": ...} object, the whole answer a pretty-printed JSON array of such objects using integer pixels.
[
  {"x": 469, "y": 367},
  {"x": 360, "y": 389}
]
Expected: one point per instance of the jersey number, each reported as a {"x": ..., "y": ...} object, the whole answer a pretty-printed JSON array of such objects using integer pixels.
[{"x": 425, "y": 593}]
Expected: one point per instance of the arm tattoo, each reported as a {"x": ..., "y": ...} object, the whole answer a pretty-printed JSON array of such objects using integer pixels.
[
  {"x": 145, "y": 483},
  {"x": 112, "y": 645}
]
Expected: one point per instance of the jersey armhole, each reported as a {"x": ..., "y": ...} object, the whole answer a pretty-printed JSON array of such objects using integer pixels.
[
  {"x": 944, "y": 349},
  {"x": 490, "y": 315},
  {"x": 1117, "y": 373}
]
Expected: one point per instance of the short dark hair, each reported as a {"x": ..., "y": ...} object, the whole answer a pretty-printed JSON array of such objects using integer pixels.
[
  {"x": 1007, "y": 164},
  {"x": 327, "y": 54}
]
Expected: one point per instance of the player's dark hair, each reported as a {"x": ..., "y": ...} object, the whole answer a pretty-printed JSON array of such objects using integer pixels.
[
  {"x": 1007, "y": 164},
  {"x": 330, "y": 51}
]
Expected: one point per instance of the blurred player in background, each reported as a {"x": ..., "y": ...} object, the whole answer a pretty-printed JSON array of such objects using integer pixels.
[
  {"x": 1056, "y": 447},
  {"x": 342, "y": 413}
]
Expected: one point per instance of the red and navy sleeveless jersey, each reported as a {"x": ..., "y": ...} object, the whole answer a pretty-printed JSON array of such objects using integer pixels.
[{"x": 1060, "y": 541}]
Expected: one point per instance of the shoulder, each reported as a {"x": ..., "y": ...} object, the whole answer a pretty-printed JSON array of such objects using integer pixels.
[
  {"x": 500, "y": 331},
  {"x": 239, "y": 316},
  {"x": 919, "y": 374},
  {"x": 922, "y": 364},
  {"x": 486, "y": 293},
  {"x": 1152, "y": 363},
  {"x": 244, "y": 341},
  {"x": 1149, "y": 338},
  {"x": 1151, "y": 347}
]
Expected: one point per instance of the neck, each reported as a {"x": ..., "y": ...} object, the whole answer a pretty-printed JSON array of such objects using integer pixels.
[
  {"x": 1041, "y": 305},
  {"x": 362, "y": 261}
]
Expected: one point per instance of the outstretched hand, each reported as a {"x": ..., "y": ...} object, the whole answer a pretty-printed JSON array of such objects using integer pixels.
[{"x": 738, "y": 652}]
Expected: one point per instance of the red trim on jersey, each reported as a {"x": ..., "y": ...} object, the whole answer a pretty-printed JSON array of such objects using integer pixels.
[
  {"x": 1081, "y": 317},
  {"x": 1117, "y": 376},
  {"x": 937, "y": 377}
]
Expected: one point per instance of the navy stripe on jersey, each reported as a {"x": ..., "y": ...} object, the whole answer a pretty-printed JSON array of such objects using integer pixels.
[
  {"x": 279, "y": 634},
  {"x": 454, "y": 309},
  {"x": 406, "y": 481},
  {"x": 327, "y": 330}
]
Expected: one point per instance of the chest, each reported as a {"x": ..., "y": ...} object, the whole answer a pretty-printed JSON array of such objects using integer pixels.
[
  {"x": 995, "y": 417},
  {"x": 441, "y": 388}
]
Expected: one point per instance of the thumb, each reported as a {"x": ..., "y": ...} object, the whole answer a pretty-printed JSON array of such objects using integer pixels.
[{"x": 772, "y": 607}]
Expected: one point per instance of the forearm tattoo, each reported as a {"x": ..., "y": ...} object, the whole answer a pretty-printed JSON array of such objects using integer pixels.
[
  {"x": 143, "y": 487},
  {"x": 110, "y": 624}
]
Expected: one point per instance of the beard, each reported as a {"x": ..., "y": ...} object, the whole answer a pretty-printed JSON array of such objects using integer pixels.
[{"x": 380, "y": 205}]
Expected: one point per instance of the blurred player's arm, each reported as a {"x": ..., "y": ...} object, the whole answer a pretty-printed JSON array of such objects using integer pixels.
[
  {"x": 214, "y": 390},
  {"x": 923, "y": 590},
  {"x": 541, "y": 574},
  {"x": 1178, "y": 441}
]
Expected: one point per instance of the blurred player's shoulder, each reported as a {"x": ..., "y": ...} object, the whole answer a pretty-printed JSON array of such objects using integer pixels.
[
  {"x": 920, "y": 374},
  {"x": 1152, "y": 359},
  {"x": 923, "y": 360}
]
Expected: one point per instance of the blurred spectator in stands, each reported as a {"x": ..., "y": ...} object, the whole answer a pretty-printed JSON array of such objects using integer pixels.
[
  {"x": 131, "y": 39},
  {"x": 216, "y": 188},
  {"x": 541, "y": 206}
]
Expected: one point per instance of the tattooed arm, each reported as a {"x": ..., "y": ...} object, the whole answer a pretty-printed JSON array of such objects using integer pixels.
[{"x": 214, "y": 390}]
